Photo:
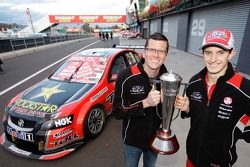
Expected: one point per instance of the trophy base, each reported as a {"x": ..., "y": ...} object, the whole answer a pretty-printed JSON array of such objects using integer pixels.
[{"x": 164, "y": 142}]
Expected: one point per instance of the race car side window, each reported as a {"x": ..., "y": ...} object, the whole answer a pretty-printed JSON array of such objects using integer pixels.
[{"x": 117, "y": 66}]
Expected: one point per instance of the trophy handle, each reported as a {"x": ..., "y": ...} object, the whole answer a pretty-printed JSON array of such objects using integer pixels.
[
  {"x": 153, "y": 82},
  {"x": 183, "y": 94}
]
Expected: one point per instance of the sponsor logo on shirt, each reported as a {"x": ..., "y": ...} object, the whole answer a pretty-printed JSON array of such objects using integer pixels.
[
  {"x": 225, "y": 108},
  {"x": 228, "y": 100},
  {"x": 137, "y": 90},
  {"x": 196, "y": 96}
]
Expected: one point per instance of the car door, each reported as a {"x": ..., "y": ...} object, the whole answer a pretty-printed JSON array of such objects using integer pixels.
[
  {"x": 116, "y": 67},
  {"x": 121, "y": 62}
]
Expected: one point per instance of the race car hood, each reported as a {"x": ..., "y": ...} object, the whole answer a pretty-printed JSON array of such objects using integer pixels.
[{"x": 49, "y": 95}]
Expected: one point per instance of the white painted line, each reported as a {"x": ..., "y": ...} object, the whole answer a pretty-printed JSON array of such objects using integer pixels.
[{"x": 38, "y": 72}]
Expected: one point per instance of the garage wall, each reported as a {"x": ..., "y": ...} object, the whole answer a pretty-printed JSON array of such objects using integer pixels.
[
  {"x": 243, "y": 64},
  {"x": 186, "y": 29},
  {"x": 183, "y": 29},
  {"x": 170, "y": 28},
  {"x": 232, "y": 15},
  {"x": 145, "y": 29},
  {"x": 155, "y": 26}
]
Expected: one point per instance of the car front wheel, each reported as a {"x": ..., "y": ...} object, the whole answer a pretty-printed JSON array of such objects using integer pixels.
[{"x": 94, "y": 122}]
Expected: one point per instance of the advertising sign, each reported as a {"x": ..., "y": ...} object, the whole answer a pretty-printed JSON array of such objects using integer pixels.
[{"x": 87, "y": 18}]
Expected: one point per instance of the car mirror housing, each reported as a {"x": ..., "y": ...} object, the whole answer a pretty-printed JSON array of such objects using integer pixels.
[{"x": 113, "y": 77}]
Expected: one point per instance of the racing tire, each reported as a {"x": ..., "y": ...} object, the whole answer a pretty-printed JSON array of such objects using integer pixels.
[{"x": 94, "y": 122}]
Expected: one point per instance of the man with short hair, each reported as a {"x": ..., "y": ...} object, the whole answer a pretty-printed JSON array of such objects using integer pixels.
[
  {"x": 218, "y": 103},
  {"x": 138, "y": 102}
]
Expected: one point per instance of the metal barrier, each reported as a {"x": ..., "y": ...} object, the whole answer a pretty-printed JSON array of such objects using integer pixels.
[{"x": 13, "y": 44}]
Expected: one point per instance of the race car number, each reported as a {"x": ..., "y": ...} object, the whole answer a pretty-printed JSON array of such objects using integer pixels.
[{"x": 20, "y": 135}]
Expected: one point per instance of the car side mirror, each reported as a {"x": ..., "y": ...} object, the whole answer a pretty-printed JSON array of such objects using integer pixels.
[{"x": 113, "y": 77}]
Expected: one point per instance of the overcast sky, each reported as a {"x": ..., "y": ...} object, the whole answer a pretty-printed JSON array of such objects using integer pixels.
[{"x": 13, "y": 11}]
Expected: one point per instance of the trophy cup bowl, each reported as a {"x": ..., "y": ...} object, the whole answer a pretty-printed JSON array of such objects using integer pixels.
[{"x": 165, "y": 142}]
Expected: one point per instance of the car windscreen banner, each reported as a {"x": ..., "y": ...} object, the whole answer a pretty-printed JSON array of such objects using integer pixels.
[{"x": 82, "y": 69}]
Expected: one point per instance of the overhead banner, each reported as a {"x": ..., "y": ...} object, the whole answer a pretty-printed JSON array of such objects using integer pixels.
[{"x": 87, "y": 18}]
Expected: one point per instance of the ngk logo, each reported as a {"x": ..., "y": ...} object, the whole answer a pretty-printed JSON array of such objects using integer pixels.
[{"x": 63, "y": 121}]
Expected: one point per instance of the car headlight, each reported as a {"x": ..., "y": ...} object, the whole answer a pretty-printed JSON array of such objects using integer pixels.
[
  {"x": 47, "y": 125},
  {"x": 57, "y": 123}
]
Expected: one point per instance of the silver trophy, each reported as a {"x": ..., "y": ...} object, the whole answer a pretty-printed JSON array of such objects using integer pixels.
[{"x": 165, "y": 141}]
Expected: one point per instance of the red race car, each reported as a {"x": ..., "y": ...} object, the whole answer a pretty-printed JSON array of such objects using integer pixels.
[
  {"x": 130, "y": 34},
  {"x": 50, "y": 119}
]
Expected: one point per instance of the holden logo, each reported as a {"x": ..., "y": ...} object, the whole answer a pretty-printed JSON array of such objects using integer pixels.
[
  {"x": 228, "y": 100},
  {"x": 20, "y": 123}
]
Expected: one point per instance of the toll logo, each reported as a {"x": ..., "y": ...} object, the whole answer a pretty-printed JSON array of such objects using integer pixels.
[{"x": 65, "y": 140}]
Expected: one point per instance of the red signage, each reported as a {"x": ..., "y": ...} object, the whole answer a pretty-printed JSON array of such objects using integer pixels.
[{"x": 87, "y": 18}]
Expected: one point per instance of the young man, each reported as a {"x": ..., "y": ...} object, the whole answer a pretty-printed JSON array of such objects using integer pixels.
[
  {"x": 137, "y": 102},
  {"x": 218, "y": 104}
]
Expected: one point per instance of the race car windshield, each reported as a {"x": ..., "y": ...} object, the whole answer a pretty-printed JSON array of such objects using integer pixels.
[{"x": 81, "y": 69}]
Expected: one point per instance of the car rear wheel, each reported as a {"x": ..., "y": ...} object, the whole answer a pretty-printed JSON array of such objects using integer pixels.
[{"x": 94, "y": 122}]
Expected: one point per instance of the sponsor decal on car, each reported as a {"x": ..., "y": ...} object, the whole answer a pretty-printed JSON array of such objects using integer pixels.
[
  {"x": 28, "y": 112},
  {"x": 62, "y": 122},
  {"x": 110, "y": 97},
  {"x": 62, "y": 134},
  {"x": 83, "y": 69},
  {"x": 48, "y": 92},
  {"x": 19, "y": 151},
  {"x": 65, "y": 140},
  {"x": 36, "y": 106},
  {"x": 101, "y": 92},
  {"x": 20, "y": 135}
]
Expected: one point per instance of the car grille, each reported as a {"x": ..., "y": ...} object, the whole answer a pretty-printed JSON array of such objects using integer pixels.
[
  {"x": 27, "y": 123},
  {"x": 24, "y": 145}
]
